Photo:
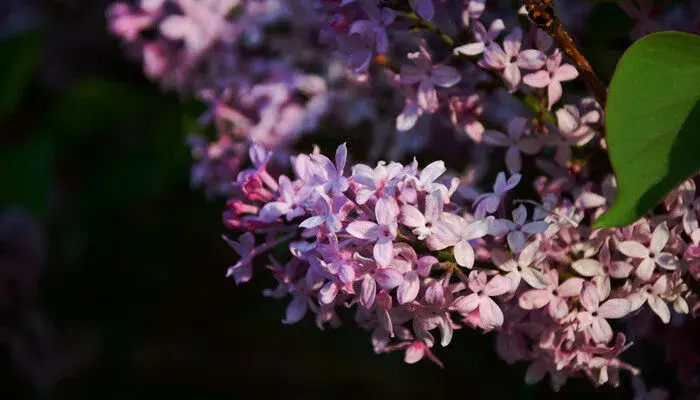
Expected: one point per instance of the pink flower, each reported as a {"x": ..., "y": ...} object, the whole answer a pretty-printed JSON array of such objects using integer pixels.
[
  {"x": 483, "y": 38},
  {"x": 382, "y": 233},
  {"x": 380, "y": 181},
  {"x": 552, "y": 77},
  {"x": 335, "y": 182},
  {"x": 594, "y": 319},
  {"x": 458, "y": 232},
  {"x": 554, "y": 295},
  {"x": 515, "y": 141},
  {"x": 521, "y": 269},
  {"x": 651, "y": 256},
  {"x": 482, "y": 290},
  {"x": 510, "y": 58},
  {"x": 423, "y": 223}
]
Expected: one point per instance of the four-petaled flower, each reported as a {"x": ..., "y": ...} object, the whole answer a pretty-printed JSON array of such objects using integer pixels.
[{"x": 651, "y": 256}]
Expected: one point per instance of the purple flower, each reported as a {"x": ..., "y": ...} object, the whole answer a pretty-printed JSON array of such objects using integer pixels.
[
  {"x": 652, "y": 255},
  {"x": 482, "y": 290},
  {"x": 594, "y": 319},
  {"x": 382, "y": 233},
  {"x": 552, "y": 77},
  {"x": 516, "y": 143},
  {"x": 482, "y": 38},
  {"x": 510, "y": 58},
  {"x": 428, "y": 75},
  {"x": 488, "y": 203}
]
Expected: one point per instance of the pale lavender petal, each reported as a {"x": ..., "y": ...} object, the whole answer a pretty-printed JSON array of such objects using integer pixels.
[
  {"x": 388, "y": 278},
  {"x": 534, "y": 278},
  {"x": 631, "y": 248},
  {"x": 600, "y": 330},
  {"x": 445, "y": 76},
  {"x": 465, "y": 305},
  {"x": 497, "y": 286},
  {"x": 645, "y": 269},
  {"x": 614, "y": 308},
  {"x": 668, "y": 261},
  {"x": 383, "y": 251},
  {"x": 660, "y": 308},
  {"x": 535, "y": 227},
  {"x": 516, "y": 241},
  {"x": 490, "y": 314},
  {"x": 427, "y": 96},
  {"x": 368, "y": 291},
  {"x": 414, "y": 353},
  {"x": 295, "y": 310},
  {"x": 587, "y": 267},
  {"x": 554, "y": 93},
  {"x": 659, "y": 238},
  {"x": 512, "y": 42},
  {"x": 471, "y": 49},
  {"x": 589, "y": 297},
  {"x": 409, "y": 288},
  {"x": 513, "y": 159},
  {"x": 362, "y": 229},
  {"x": 566, "y": 72},
  {"x": 539, "y": 79},
  {"x": 432, "y": 172},
  {"x": 464, "y": 254},
  {"x": 534, "y": 299},
  {"x": 411, "y": 216},
  {"x": 570, "y": 287}
]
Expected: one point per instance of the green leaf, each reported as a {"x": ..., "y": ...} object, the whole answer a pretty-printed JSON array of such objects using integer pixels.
[
  {"x": 653, "y": 122},
  {"x": 20, "y": 57}
]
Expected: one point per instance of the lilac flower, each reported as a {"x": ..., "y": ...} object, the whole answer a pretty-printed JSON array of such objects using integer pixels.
[
  {"x": 510, "y": 58},
  {"x": 380, "y": 181},
  {"x": 423, "y": 223},
  {"x": 375, "y": 27},
  {"x": 594, "y": 319},
  {"x": 517, "y": 228},
  {"x": 482, "y": 38},
  {"x": 521, "y": 269},
  {"x": 334, "y": 179},
  {"x": 488, "y": 203},
  {"x": 428, "y": 75},
  {"x": 458, "y": 232},
  {"x": 383, "y": 232},
  {"x": 552, "y": 77},
  {"x": 554, "y": 295},
  {"x": 291, "y": 205},
  {"x": 575, "y": 127},
  {"x": 242, "y": 271},
  {"x": 654, "y": 296},
  {"x": 516, "y": 143},
  {"x": 651, "y": 256},
  {"x": 482, "y": 290},
  {"x": 473, "y": 11}
]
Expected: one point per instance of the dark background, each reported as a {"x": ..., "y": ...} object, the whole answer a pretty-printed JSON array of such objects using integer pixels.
[{"x": 133, "y": 288}]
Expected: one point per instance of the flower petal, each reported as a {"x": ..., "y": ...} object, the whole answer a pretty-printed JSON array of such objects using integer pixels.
[
  {"x": 464, "y": 254},
  {"x": 408, "y": 290}
]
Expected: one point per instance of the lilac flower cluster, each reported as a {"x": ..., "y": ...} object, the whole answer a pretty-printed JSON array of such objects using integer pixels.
[{"x": 418, "y": 253}]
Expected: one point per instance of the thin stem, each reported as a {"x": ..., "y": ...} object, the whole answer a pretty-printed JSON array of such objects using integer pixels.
[{"x": 429, "y": 27}]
